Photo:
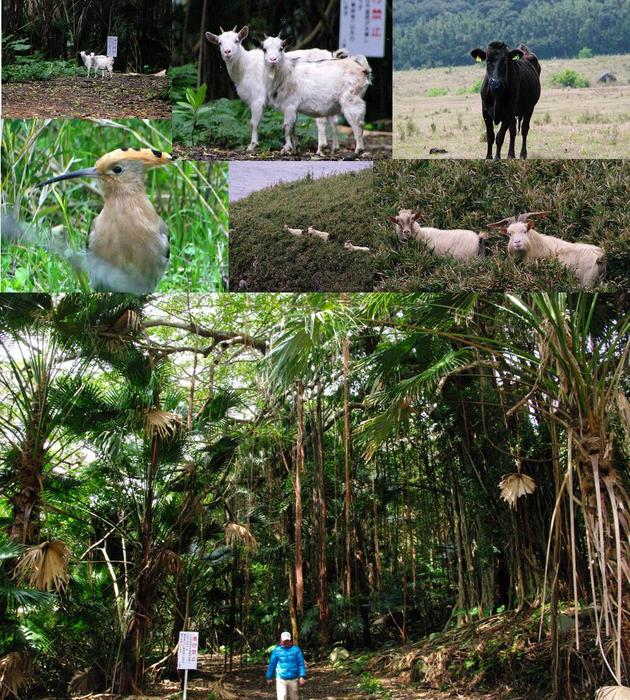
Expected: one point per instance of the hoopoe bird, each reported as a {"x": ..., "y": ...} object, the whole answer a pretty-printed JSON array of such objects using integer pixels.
[{"x": 127, "y": 246}]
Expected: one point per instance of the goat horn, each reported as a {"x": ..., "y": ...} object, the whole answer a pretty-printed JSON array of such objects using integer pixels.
[
  {"x": 221, "y": 29},
  {"x": 235, "y": 26},
  {"x": 503, "y": 222},
  {"x": 524, "y": 217}
]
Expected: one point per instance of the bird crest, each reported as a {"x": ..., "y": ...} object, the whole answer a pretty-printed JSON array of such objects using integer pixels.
[{"x": 149, "y": 157}]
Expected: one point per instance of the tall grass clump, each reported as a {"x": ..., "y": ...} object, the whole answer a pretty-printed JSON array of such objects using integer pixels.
[
  {"x": 190, "y": 197},
  {"x": 587, "y": 201}
]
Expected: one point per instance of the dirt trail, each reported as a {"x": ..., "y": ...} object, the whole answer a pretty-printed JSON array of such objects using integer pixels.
[
  {"x": 378, "y": 146},
  {"x": 324, "y": 683},
  {"x": 122, "y": 96}
]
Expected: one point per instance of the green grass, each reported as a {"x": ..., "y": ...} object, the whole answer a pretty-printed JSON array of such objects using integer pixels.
[
  {"x": 265, "y": 258},
  {"x": 190, "y": 197},
  {"x": 587, "y": 201},
  {"x": 437, "y": 92}
]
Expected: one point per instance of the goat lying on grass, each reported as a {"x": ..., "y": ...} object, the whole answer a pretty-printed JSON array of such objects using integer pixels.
[
  {"x": 458, "y": 243},
  {"x": 349, "y": 246},
  {"x": 526, "y": 244}
]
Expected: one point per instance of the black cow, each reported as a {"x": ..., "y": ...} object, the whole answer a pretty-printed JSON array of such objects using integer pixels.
[{"x": 510, "y": 91}]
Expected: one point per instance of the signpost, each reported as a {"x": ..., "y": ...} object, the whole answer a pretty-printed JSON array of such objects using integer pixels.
[
  {"x": 362, "y": 27},
  {"x": 112, "y": 46},
  {"x": 187, "y": 655}
]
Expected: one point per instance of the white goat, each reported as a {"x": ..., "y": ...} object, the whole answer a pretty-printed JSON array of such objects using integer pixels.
[
  {"x": 87, "y": 61},
  {"x": 294, "y": 231},
  {"x": 526, "y": 244},
  {"x": 246, "y": 70},
  {"x": 317, "y": 89},
  {"x": 349, "y": 246},
  {"x": 324, "y": 235},
  {"x": 102, "y": 63},
  {"x": 458, "y": 243}
]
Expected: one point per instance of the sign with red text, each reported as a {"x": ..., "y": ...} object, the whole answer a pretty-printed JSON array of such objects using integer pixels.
[
  {"x": 187, "y": 650},
  {"x": 362, "y": 27},
  {"x": 112, "y": 46}
]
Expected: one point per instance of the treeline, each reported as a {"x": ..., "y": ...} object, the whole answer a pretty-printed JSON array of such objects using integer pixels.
[{"x": 431, "y": 33}]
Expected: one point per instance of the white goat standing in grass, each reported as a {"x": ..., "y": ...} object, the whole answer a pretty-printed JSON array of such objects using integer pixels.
[
  {"x": 246, "y": 70},
  {"x": 458, "y": 243},
  {"x": 102, "y": 63},
  {"x": 87, "y": 61},
  {"x": 317, "y": 89},
  {"x": 526, "y": 244}
]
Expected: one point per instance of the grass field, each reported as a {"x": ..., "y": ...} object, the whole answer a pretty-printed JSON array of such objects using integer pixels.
[
  {"x": 587, "y": 201},
  {"x": 592, "y": 122},
  {"x": 265, "y": 258},
  {"x": 192, "y": 198}
]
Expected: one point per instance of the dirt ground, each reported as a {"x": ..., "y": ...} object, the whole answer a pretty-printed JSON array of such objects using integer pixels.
[
  {"x": 121, "y": 97},
  {"x": 324, "y": 683},
  {"x": 378, "y": 146}
]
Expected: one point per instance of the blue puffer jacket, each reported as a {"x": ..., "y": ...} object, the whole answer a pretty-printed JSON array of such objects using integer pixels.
[{"x": 286, "y": 663}]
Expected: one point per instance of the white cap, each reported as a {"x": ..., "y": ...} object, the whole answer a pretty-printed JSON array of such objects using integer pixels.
[{"x": 285, "y": 637}]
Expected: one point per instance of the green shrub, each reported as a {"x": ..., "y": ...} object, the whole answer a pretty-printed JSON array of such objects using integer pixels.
[
  {"x": 34, "y": 68},
  {"x": 472, "y": 90},
  {"x": 436, "y": 92},
  {"x": 569, "y": 78},
  {"x": 585, "y": 53}
]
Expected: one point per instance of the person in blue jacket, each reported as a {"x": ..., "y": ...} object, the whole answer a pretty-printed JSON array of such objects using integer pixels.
[{"x": 288, "y": 667}]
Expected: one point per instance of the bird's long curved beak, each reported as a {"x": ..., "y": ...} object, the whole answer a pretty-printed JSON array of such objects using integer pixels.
[{"x": 85, "y": 172}]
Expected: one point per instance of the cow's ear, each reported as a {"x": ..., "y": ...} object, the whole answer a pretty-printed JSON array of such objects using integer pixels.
[
  {"x": 515, "y": 55},
  {"x": 530, "y": 224},
  {"x": 478, "y": 54},
  {"x": 393, "y": 219},
  {"x": 415, "y": 216}
]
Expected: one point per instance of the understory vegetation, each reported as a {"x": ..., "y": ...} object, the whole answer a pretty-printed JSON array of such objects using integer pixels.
[
  {"x": 586, "y": 201},
  {"x": 190, "y": 197},
  {"x": 427, "y": 487},
  {"x": 264, "y": 257}
]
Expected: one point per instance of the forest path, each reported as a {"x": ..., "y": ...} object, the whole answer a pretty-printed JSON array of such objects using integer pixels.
[
  {"x": 122, "y": 96},
  {"x": 324, "y": 683}
]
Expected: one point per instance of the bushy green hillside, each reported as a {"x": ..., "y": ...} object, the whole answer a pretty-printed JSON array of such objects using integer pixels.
[
  {"x": 441, "y": 32},
  {"x": 265, "y": 258},
  {"x": 587, "y": 201}
]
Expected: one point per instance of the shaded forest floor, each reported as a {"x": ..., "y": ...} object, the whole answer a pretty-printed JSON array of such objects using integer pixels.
[
  {"x": 324, "y": 683},
  {"x": 122, "y": 96},
  {"x": 378, "y": 146}
]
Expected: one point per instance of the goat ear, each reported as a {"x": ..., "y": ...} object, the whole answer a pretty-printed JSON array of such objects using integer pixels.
[
  {"x": 478, "y": 54},
  {"x": 393, "y": 219},
  {"x": 212, "y": 38},
  {"x": 530, "y": 225},
  {"x": 415, "y": 216},
  {"x": 244, "y": 32},
  {"x": 287, "y": 42}
]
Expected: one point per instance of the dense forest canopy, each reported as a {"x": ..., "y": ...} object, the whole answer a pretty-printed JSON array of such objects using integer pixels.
[
  {"x": 431, "y": 33},
  {"x": 361, "y": 469}
]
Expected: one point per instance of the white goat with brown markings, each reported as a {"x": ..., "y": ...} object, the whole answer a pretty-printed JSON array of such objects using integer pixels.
[{"x": 586, "y": 261}]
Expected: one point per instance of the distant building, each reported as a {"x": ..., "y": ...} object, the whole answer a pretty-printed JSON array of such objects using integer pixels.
[{"x": 607, "y": 77}]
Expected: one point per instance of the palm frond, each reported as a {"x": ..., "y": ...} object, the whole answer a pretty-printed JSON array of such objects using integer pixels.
[{"x": 44, "y": 567}]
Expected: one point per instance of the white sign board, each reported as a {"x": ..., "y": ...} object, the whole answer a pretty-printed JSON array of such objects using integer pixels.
[
  {"x": 362, "y": 27},
  {"x": 187, "y": 650},
  {"x": 112, "y": 46}
]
